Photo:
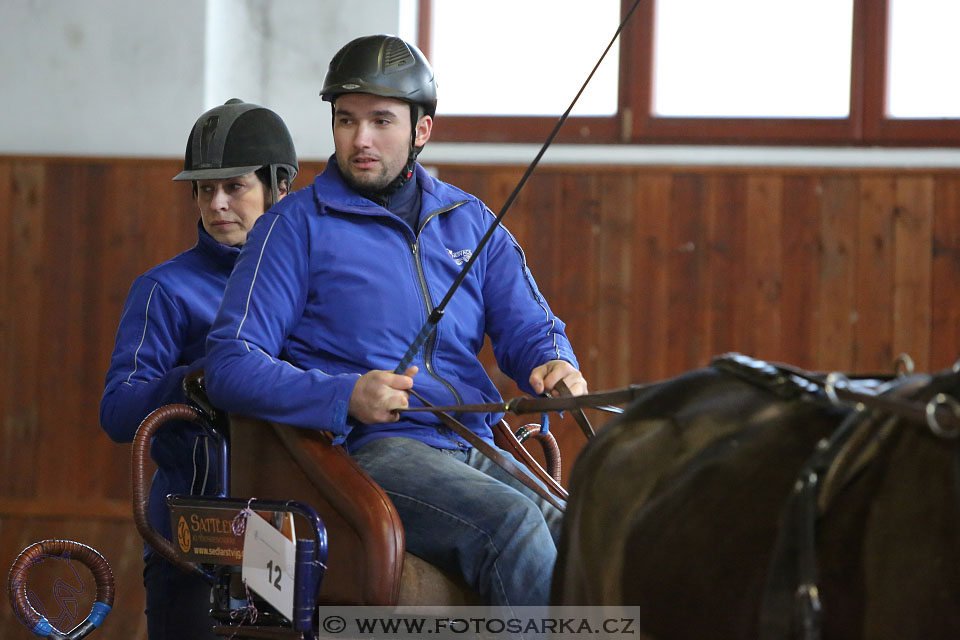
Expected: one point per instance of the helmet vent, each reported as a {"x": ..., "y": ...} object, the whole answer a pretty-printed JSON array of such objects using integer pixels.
[
  {"x": 206, "y": 139},
  {"x": 396, "y": 55}
]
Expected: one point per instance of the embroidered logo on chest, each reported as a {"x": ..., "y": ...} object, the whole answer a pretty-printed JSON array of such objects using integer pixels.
[{"x": 461, "y": 256}]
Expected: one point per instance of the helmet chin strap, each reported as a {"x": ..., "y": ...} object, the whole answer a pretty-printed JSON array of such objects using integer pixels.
[
  {"x": 274, "y": 187},
  {"x": 405, "y": 174}
]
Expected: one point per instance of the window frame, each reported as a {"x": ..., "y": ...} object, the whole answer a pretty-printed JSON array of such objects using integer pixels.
[{"x": 634, "y": 123}]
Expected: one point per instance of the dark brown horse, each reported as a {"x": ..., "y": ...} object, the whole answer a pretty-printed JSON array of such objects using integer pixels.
[{"x": 736, "y": 502}]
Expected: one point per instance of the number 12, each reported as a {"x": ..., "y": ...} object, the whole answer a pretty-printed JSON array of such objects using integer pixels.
[{"x": 270, "y": 570}]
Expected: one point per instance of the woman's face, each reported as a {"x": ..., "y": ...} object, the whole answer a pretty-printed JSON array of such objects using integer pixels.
[{"x": 229, "y": 207}]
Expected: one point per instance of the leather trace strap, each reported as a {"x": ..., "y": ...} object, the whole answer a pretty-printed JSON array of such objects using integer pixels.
[{"x": 505, "y": 462}]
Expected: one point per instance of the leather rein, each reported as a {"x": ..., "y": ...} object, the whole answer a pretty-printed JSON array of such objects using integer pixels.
[{"x": 941, "y": 413}]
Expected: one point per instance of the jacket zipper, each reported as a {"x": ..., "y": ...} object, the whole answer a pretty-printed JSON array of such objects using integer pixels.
[{"x": 421, "y": 277}]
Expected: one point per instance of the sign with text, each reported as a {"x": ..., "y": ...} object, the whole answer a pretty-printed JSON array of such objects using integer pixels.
[
  {"x": 269, "y": 560},
  {"x": 205, "y": 535}
]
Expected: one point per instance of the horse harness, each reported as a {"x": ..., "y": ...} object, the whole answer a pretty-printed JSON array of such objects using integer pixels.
[{"x": 791, "y": 605}]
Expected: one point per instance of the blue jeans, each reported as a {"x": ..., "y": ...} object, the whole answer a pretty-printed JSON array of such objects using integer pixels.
[{"x": 463, "y": 513}]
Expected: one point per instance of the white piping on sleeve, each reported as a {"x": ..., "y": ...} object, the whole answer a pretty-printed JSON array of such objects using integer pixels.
[
  {"x": 146, "y": 320},
  {"x": 256, "y": 272}
]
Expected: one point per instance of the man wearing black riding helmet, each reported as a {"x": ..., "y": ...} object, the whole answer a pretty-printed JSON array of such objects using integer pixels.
[
  {"x": 338, "y": 279},
  {"x": 241, "y": 159}
]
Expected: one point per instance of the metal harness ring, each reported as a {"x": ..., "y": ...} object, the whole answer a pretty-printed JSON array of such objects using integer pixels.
[
  {"x": 830, "y": 385},
  {"x": 931, "y": 411},
  {"x": 903, "y": 365}
]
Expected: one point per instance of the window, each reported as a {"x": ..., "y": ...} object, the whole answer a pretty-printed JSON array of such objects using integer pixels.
[
  {"x": 921, "y": 81},
  {"x": 511, "y": 73},
  {"x": 743, "y": 71},
  {"x": 752, "y": 58}
]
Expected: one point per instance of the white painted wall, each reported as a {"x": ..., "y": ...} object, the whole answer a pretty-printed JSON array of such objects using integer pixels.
[
  {"x": 98, "y": 76},
  {"x": 130, "y": 77},
  {"x": 288, "y": 45}
]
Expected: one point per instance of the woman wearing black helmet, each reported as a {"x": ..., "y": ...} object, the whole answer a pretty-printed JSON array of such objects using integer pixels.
[
  {"x": 241, "y": 160},
  {"x": 342, "y": 276}
]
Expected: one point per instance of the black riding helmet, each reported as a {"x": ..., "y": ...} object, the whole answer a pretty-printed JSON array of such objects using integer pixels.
[
  {"x": 236, "y": 138},
  {"x": 387, "y": 66}
]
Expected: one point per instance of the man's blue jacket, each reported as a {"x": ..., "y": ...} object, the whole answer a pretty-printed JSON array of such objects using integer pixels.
[{"x": 330, "y": 285}]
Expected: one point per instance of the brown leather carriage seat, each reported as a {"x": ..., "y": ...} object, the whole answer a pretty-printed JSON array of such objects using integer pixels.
[{"x": 366, "y": 563}]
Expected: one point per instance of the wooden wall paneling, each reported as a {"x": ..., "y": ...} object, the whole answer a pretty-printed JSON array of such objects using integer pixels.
[
  {"x": 652, "y": 247},
  {"x": 801, "y": 257},
  {"x": 92, "y": 350},
  {"x": 913, "y": 229},
  {"x": 763, "y": 265},
  {"x": 24, "y": 265},
  {"x": 873, "y": 348},
  {"x": 945, "y": 290},
  {"x": 7, "y": 323},
  {"x": 725, "y": 249},
  {"x": 686, "y": 348},
  {"x": 575, "y": 284},
  {"x": 654, "y": 269},
  {"x": 6, "y": 251},
  {"x": 615, "y": 277},
  {"x": 838, "y": 219},
  {"x": 68, "y": 187}
]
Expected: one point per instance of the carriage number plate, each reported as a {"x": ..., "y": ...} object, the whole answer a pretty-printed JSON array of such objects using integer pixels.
[{"x": 268, "y": 564}]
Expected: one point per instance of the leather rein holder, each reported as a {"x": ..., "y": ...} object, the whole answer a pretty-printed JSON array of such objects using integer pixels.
[
  {"x": 578, "y": 415},
  {"x": 504, "y": 462}
]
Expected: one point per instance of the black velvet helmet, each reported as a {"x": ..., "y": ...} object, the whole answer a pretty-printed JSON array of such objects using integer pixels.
[
  {"x": 237, "y": 138},
  {"x": 382, "y": 65}
]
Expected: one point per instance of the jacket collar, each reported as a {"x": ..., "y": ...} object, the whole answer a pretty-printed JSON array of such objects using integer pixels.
[
  {"x": 221, "y": 253},
  {"x": 330, "y": 189}
]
